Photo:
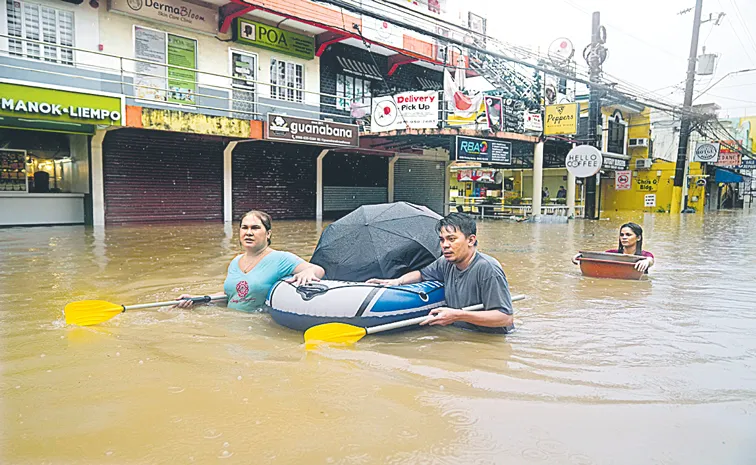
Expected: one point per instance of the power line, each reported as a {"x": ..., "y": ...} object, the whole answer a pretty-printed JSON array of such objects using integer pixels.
[{"x": 745, "y": 25}]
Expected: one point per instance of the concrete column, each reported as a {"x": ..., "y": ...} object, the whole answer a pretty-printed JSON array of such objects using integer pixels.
[
  {"x": 98, "y": 179},
  {"x": 447, "y": 186},
  {"x": 319, "y": 185},
  {"x": 228, "y": 192},
  {"x": 570, "y": 195},
  {"x": 391, "y": 164},
  {"x": 537, "y": 178}
]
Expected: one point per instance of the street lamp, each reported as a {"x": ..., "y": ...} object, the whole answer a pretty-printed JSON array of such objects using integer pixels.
[{"x": 749, "y": 70}]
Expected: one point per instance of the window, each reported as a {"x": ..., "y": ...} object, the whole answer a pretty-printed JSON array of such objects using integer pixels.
[
  {"x": 616, "y": 137},
  {"x": 352, "y": 89},
  {"x": 32, "y": 22},
  {"x": 286, "y": 81},
  {"x": 243, "y": 84}
]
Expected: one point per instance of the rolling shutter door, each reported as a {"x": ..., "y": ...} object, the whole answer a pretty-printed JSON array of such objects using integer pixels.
[
  {"x": 350, "y": 181},
  {"x": 278, "y": 179},
  {"x": 153, "y": 176},
  {"x": 420, "y": 182}
]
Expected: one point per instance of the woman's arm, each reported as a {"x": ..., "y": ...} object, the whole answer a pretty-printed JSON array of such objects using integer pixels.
[
  {"x": 305, "y": 273},
  {"x": 184, "y": 303},
  {"x": 643, "y": 265}
]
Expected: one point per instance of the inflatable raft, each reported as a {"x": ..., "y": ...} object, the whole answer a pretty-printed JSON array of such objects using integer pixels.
[
  {"x": 358, "y": 304},
  {"x": 609, "y": 265}
]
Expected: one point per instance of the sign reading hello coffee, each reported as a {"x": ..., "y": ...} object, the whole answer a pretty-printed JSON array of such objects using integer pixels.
[{"x": 311, "y": 131}]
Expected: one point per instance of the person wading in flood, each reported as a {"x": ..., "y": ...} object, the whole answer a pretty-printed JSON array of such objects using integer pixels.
[
  {"x": 252, "y": 274},
  {"x": 630, "y": 243},
  {"x": 470, "y": 278}
]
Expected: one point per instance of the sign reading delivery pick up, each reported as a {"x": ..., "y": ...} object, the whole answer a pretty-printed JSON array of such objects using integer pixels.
[{"x": 37, "y": 103}]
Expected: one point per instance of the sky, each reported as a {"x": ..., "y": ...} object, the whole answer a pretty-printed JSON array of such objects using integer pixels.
[{"x": 648, "y": 41}]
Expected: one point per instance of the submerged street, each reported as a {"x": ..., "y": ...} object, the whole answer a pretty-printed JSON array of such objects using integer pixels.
[{"x": 598, "y": 371}]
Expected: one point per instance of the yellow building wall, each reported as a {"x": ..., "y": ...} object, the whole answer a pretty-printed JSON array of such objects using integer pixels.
[{"x": 659, "y": 179}]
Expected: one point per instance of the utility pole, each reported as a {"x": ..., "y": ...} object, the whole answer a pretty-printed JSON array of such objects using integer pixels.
[
  {"x": 595, "y": 57},
  {"x": 685, "y": 120}
]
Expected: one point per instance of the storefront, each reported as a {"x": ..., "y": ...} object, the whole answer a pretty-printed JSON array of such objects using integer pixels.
[
  {"x": 158, "y": 176},
  {"x": 44, "y": 177}
]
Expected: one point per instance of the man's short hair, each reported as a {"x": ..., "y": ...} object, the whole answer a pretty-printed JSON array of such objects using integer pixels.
[{"x": 458, "y": 222}]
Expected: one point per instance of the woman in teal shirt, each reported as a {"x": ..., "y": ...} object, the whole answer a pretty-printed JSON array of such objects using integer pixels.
[{"x": 252, "y": 274}]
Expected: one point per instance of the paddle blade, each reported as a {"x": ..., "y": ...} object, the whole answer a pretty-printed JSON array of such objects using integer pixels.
[
  {"x": 90, "y": 312},
  {"x": 330, "y": 333}
]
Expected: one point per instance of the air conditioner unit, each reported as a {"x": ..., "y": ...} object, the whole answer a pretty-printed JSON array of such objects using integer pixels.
[
  {"x": 639, "y": 142},
  {"x": 643, "y": 163}
]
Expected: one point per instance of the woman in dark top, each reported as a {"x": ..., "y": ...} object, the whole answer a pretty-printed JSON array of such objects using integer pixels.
[{"x": 630, "y": 243}]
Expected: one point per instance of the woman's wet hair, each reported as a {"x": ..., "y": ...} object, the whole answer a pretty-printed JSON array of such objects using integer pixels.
[
  {"x": 264, "y": 218},
  {"x": 638, "y": 231},
  {"x": 458, "y": 222}
]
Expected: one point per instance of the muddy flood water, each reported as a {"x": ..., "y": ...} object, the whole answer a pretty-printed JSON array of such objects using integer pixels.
[{"x": 661, "y": 371}]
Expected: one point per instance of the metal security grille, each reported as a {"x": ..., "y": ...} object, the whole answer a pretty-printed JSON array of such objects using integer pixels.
[
  {"x": 154, "y": 176},
  {"x": 420, "y": 182}
]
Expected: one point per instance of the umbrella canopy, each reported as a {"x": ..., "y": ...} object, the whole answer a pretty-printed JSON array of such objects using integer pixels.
[{"x": 379, "y": 241}]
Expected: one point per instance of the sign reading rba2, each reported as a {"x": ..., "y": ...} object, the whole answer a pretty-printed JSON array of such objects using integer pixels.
[
  {"x": 707, "y": 152},
  {"x": 483, "y": 150},
  {"x": 19, "y": 101},
  {"x": 312, "y": 131},
  {"x": 270, "y": 37}
]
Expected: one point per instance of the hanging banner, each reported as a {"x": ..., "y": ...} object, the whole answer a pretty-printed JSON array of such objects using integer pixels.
[
  {"x": 494, "y": 113},
  {"x": 182, "y": 83},
  {"x": 623, "y": 180},
  {"x": 707, "y": 152},
  {"x": 561, "y": 119},
  {"x": 408, "y": 110}
]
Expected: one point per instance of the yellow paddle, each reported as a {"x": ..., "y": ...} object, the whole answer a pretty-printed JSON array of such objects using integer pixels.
[
  {"x": 342, "y": 333},
  {"x": 92, "y": 312}
]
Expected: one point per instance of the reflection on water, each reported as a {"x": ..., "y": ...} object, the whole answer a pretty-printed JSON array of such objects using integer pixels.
[{"x": 599, "y": 371}]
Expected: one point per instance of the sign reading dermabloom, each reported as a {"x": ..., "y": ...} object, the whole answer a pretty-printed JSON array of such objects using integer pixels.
[
  {"x": 584, "y": 161},
  {"x": 19, "y": 101},
  {"x": 483, "y": 150},
  {"x": 312, "y": 131},
  {"x": 174, "y": 12}
]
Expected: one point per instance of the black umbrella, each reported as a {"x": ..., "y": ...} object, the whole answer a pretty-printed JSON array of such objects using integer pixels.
[{"x": 379, "y": 241}]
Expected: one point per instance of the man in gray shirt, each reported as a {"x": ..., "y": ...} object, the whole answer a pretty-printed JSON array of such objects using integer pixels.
[{"x": 469, "y": 278}]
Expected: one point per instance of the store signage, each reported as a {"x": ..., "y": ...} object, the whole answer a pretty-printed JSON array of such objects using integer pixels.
[
  {"x": 175, "y": 12},
  {"x": 488, "y": 176},
  {"x": 483, "y": 150},
  {"x": 623, "y": 180},
  {"x": 561, "y": 119},
  {"x": 648, "y": 185},
  {"x": 728, "y": 159},
  {"x": 159, "y": 72},
  {"x": 270, "y": 37},
  {"x": 707, "y": 152},
  {"x": 408, "y": 110},
  {"x": 748, "y": 164},
  {"x": 649, "y": 200},
  {"x": 613, "y": 164},
  {"x": 729, "y": 146},
  {"x": 39, "y": 103},
  {"x": 311, "y": 131},
  {"x": 533, "y": 121},
  {"x": 382, "y": 32},
  {"x": 584, "y": 161}
]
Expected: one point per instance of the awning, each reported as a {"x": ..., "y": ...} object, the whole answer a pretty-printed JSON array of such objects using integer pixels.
[
  {"x": 359, "y": 68},
  {"x": 727, "y": 176},
  {"x": 428, "y": 84}
]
